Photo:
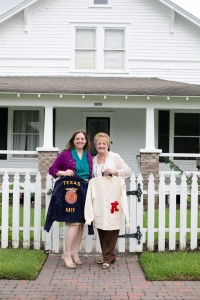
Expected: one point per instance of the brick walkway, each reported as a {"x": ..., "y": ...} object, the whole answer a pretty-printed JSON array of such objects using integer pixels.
[{"x": 124, "y": 280}]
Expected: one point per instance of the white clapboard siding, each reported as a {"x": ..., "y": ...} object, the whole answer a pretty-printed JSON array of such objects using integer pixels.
[
  {"x": 15, "y": 215},
  {"x": 54, "y": 240},
  {"x": 47, "y": 48}
]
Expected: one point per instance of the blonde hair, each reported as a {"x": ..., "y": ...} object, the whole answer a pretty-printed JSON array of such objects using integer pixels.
[{"x": 102, "y": 135}]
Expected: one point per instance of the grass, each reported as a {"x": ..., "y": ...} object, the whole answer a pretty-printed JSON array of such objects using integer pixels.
[
  {"x": 21, "y": 263},
  {"x": 21, "y": 214},
  {"x": 24, "y": 264},
  {"x": 170, "y": 265},
  {"x": 21, "y": 221},
  {"x": 167, "y": 215}
]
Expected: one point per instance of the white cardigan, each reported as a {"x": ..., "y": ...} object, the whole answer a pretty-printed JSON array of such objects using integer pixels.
[
  {"x": 105, "y": 201},
  {"x": 113, "y": 161}
]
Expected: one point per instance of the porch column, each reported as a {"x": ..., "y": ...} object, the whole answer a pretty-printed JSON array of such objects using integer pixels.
[
  {"x": 150, "y": 129},
  {"x": 149, "y": 157},
  {"x": 47, "y": 153},
  {"x": 48, "y": 127}
]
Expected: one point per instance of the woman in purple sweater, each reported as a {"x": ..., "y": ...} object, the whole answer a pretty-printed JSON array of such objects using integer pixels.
[{"x": 74, "y": 160}]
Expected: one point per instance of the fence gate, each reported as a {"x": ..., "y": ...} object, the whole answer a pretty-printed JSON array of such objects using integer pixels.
[
  {"x": 130, "y": 239},
  {"x": 133, "y": 240}
]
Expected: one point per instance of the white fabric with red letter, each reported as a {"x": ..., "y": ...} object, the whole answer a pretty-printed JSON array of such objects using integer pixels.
[{"x": 106, "y": 200}]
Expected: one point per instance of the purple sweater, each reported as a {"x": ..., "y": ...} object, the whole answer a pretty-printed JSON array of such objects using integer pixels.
[{"x": 65, "y": 161}]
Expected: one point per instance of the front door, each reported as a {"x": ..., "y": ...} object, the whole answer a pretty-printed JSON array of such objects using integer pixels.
[{"x": 95, "y": 125}]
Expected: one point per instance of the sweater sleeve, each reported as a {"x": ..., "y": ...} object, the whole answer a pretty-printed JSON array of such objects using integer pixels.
[
  {"x": 57, "y": 165},
  {"x": 122, "y": 168},
  {"x": 88, "y": 210}
]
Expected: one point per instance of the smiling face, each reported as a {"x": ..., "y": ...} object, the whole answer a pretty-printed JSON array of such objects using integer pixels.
[
  {"x": 79, "y": 141},
  {"x": 101, "y": 146}
]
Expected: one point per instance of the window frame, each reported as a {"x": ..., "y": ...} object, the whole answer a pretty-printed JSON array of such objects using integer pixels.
[
  {"x": 93, "y": 5},
  {"x": 101, "y": 3},
  {"x": 93, "y": 50},
  {"x": 172, "y": 131},
  {"x": 100, "y": 30},
  {"x": 107, "y": 50},
  {"x": 10, "y": 131}
]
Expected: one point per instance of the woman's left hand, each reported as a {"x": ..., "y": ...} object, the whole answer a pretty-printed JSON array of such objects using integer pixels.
[{"x": 110, "y": 171}]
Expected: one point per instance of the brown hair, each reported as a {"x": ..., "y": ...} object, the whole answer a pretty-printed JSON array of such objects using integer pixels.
[
  {"x": 102, "y": 135},
  {"x": 70, "y": 144}
]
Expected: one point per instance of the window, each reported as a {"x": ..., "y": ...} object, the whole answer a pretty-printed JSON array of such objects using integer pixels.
[
  {"x": 100, "y": 49},
  {"x": 85, "y": 49},
  {"x": 3, "y": 130},
  {"x": 186, "y": 133},
  {"x": 25, "y": 135},
  {"x": 163, "y": 131},
  {"x": 100, "y": 2},
  {"x": 114, "y": 49}
]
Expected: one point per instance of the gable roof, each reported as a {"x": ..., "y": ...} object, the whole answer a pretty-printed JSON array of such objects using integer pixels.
[
  {"x": 181, "y": 11},
  {"x": 16, "y": 8},
  {"x": 24, "y": 4},
  {"x": 97, "y": 86}
]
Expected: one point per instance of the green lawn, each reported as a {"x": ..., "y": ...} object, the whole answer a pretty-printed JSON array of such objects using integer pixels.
[
  {"x": 171, "y": 265},
  {"x": 26, "y": 264},
  {"x": 21, "y": 263},
  {"x": 145, "y": 220},
  {"x": 21, "y": 221}
]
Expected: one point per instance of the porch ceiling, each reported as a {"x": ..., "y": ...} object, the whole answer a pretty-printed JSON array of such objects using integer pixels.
[{"x": 97, "y": 85}]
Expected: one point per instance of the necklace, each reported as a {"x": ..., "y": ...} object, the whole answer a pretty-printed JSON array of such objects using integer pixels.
[
  {"x": 100, "y": 162},
  {"x": 98, "y": 170}
]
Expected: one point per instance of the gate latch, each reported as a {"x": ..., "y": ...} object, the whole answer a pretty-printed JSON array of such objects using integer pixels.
[{"x": 49, "y": 192}]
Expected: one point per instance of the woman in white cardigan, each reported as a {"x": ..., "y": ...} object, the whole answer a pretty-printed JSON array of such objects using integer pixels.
[{"x": 106, "y": 197}]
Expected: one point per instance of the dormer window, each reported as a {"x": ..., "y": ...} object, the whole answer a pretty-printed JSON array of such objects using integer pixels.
[{"x": 100, "y": 2}]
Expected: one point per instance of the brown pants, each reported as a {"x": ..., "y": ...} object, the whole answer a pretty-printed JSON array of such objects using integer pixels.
[{"x": 108, "y": 240}]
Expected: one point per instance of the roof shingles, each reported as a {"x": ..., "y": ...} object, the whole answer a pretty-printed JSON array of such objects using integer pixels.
[{"x": 97, "y": 85}]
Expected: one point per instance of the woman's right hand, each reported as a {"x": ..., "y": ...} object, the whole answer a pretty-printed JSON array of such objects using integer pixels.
[{"x": 68, "y": 173}]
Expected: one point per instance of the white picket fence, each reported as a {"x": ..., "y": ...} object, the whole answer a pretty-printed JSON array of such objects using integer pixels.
[{"x": 34, "y": 236}]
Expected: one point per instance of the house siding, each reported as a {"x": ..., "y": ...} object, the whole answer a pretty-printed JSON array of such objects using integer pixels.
[
  {"x": 152, "y": 50},
  {"x": 127, "y": 131}
]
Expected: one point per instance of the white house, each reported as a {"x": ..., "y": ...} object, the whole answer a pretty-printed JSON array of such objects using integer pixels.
[{"x": 130, "y": 68}]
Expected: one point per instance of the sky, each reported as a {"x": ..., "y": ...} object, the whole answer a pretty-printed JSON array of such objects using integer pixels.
[{"x": 192, "y": 6}]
